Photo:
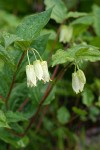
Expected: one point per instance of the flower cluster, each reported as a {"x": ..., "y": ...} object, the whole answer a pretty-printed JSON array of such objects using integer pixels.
[
  {"x": 78, "y": 81},
  {"x": 37, "y": 71}
]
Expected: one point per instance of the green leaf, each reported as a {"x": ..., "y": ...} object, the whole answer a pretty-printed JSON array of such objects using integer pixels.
[
  {"x": 79, "y": 111},
  {"x": 61, "y": 57},
  {"x": 95, "y": 41},
  {"x": 8, "y": 38},
  {"x": 78, "y": 29},
  {"x": 89, "y": 53},
  {"x": 15, "y": 116},
  {"x": 23, "y": 142},
  {"x": 3, "y": 120},
  {"x": 96, "y": 24},
  {"x": 4, "y": 55},
  {"x": 75, "y": 14},
  {"x": 31, "y": 25},
  {"x": 87, "y": 97},
  {"x": 86, "y": 20},
  {"x": 93, "y": 113},
  {"x": 76, "y": 53},
  {"x": 13, "y": 140},
  {"x": 59, "y": 11},
  {"x": 63, "y": 115},
  {"x": 40, "y": 43},
  {"x": 1, "y": 65}
]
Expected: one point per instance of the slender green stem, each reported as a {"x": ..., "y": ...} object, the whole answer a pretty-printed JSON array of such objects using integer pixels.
[
  {"x": 28, "y": 58},
  {"x": 77, "y": 67},
  {"x": 37, "y": 53},
  {"x": 34, "y": 54}
]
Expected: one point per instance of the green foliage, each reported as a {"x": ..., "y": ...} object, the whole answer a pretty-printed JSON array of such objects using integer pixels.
[
  {"x": 3, "y": 120},
  {"x": 32, "y": 25},
  {"x": 4, "y": 55},
  {"x": 59, "y": 11},
  {"x": 88, "y": 97},
  {"x": 76, "y": 53},
  {"x": 96, "y": 11},
  {"x": 63, "y": 115}
]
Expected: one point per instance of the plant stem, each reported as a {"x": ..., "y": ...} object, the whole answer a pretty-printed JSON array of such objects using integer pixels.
[
  {"x": 48, "y": 90},
  {"x": 13, "y": 80},
  {"x": 23, "y": 104}
]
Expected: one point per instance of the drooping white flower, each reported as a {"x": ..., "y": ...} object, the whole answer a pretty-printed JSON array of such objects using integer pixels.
[
  {"x": 78, "y": 81},
  {"x": 38, "y": 69},
  {"x": 66, "y": 33},
  {"x": 31, "y": 77},
  {"x": 46, "y": 76}
]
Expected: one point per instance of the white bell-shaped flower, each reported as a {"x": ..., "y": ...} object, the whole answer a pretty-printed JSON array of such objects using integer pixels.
[
  {"x": 38, "y": 69},
  {"x": 46, "y": 76},
  {"x": 78, "y": 81},
  {"x": 31, "y": 77},
  {"x": 66, "y": 33}
]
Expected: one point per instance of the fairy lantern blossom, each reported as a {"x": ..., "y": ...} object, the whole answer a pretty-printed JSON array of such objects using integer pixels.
[
  {"x": 31, "y": 77},
  {"x": 78, "y": 81},
  {"x": 66, "y": 33},
  {"x": 38, "y": 69},
  {"x": 46, "y": 76}
]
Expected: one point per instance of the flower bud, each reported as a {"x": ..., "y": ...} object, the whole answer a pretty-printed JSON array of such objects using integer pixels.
[
  {"x": 31, "y": 77},
  {"x": 38, "y": 69},
  {"x": 46, "y": 76},
  {"x": 78, "y": 81}
]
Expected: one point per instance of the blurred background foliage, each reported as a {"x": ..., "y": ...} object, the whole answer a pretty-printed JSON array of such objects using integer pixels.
[{"x": 66, "y": 121}]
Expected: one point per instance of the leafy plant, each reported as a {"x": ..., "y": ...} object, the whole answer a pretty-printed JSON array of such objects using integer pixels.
[{"x": 44, "y": 60}]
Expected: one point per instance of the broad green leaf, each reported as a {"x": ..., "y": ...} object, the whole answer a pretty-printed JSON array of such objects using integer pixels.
[
  {"x": 61, "y": 57},
  {"x": 94, "y": 112},
  {"x": 1, "y": 64},
  {"x": 59, "y": 11},
  {"x": 76, "y": 53},
  {"x": 40, "y": 43},
  {"x": 96, "y": 23},
  {"x": 31, "y": 25},
  {"x": 87, "y": 97},
  {"x": 5, "y": 79},
  {"x": 3, "y": 120},
  {"x": 63, "y": 115},
  {"x": 15, "y": 116},
  {"x": 17, "y": 127},
  {"x": 8, "y": 38},
  {"x": 23, "y": 142},
  {"x": 90, "y": 54},
  {"x": 78, "y": 29},
  {"x": 75, "y": 14},
  {"x": 95, "y": 41},
  {"x": 15, "y": 141},
  {"x": 86, "y": 20},
  {"x": 4, "y": 55},
  {"x": 23, "y": 44},
  {"x": 79, "y": 111}
]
